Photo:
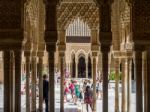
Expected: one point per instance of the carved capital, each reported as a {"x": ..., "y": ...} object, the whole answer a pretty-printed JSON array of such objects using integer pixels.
[
  {"x": 27, "y": 53},
  {"x": 62, "y": 47},
  {"x": 40, "y": 54}
]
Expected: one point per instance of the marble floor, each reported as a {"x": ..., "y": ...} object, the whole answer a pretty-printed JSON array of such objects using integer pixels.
[{"x": 70, "y": 107}]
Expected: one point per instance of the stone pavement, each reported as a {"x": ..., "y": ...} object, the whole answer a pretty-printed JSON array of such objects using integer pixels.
[{"x": 70, "y": 107}]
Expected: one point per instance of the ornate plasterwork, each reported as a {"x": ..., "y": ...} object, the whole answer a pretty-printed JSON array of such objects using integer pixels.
[
  {"x": 68, "y": 11},
  {"x": 32, "y": 10},
  {"x": 125, "y": 14}
]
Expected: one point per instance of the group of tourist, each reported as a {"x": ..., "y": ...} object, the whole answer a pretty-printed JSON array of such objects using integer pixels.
[{"x": 81, "y": 91}]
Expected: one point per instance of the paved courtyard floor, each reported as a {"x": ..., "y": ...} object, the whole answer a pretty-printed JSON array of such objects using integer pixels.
[{"x": 70, "y": 107}]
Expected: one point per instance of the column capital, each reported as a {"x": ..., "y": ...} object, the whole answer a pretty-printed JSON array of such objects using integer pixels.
[
  {"x": 40, "y": 54},
  {"x": 27, "y": 53},
  {"x": 94, "y": 54},
  {"x": 34, "y": 54},
  {"x": 62, "y": 47},
  {"x": 95, "y": 47},
  {"x": 61, "y": 54}
]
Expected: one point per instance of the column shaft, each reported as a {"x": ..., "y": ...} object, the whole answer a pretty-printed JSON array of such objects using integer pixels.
[
  {"x": 145, "y": 81},
  {"x": 116, "y": 85},
  {"x": 71, "y": 74},
  {"x": 40, "y": 84},
  {"x": 76, "y": 69},
  {"x": 7, "y": 79},
  {"x": 129, "y": 85},
  {"x": 105, "y": 80},
  {"x": 34, "y": 70},
  {"x": 147, "y": 94},
  {"x": 62, "y": 83},
  {"x": 17, "y": 81},
  {"x": 124, "y": 85},
  {"x": 12, "y": 82},
  {"x": 94, "y": 84},
  {"x": 51, "y": 98},
  {"x": 27, "y": 83},
  {"x": 87, "y": 68},
  {"x": 138, "y": 72}
]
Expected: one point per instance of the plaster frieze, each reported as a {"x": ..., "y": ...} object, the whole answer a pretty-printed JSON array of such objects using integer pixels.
[{"x": 67, "y": 12}]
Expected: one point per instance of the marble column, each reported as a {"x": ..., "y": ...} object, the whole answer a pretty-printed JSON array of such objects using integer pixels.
[
  {"x": 76, "y": 68},
  {"x": 94, "y": 82},
  {"x": 105, "y": 51},
  {"x": 71, "y": 74},
  {"x": 62, "y": 55},
  {"x": 129, "y": 86},
  {"x": 34, "y": 70},
  {"x": 40, "y": 69},
  {"x": 86, "y": 67},
  {"x": 117, "y": 84},
  {"x": 7, "y": 92},
  {"x": 145, "y": 80},
  {"x": 27, "y": 55},
  {"x": 138, "y": 72},
  {"x": 124, "y": 84},
  {"x": 18, "y": 55},
  {"x": 51, "y": 98},
  {"x": 147, "y": 94},
  {"x": 12, "y": 81}
]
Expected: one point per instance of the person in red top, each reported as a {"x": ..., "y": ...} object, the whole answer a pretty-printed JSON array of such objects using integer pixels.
[
  {"x": 66, "y": 91},
  {"x": 72, "y": 89}
]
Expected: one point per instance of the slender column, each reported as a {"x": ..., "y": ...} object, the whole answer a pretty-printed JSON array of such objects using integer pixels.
[
  {"x": 145, "y": 80},
  {"x": 12, "y": 82},
  {"x": 116, "y": 85},
  {"x": 94, "y": 83},
  {"x": 51, "y": 98},
  {"x": 124, "y": 85},
  {"x": 7, "y": 79},
  {"x": 129, "y": 81},
  {"x": 147, "y": 94},
  {"x": 17, "y": 81},
  {"x": 28, "y": 83},
  {"x": 40, "y": 83},
  {"x": 86, "y": 68},
  {"x": 105, "y": 77},
  {"x": 71, "y": 74},
  {"x": 138, "y": 72},
  {"x": 76, "y": 69},
  {"x": 62, "y": 54},
  {"x": 34, "y": 69}
]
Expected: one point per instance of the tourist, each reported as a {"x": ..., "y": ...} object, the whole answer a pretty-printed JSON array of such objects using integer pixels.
[
  {"x": 101, "y": 89},
  {"x": 45, "y": 91},
  {"x": 77, "y": 92},
  {"x": 71, "y": 87},
  {"x": 88, "y": 97},
  {"x": 66, "y": 91}
]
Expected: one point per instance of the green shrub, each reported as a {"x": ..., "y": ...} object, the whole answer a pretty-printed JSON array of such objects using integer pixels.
[{"x": 112, "y": 75}]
